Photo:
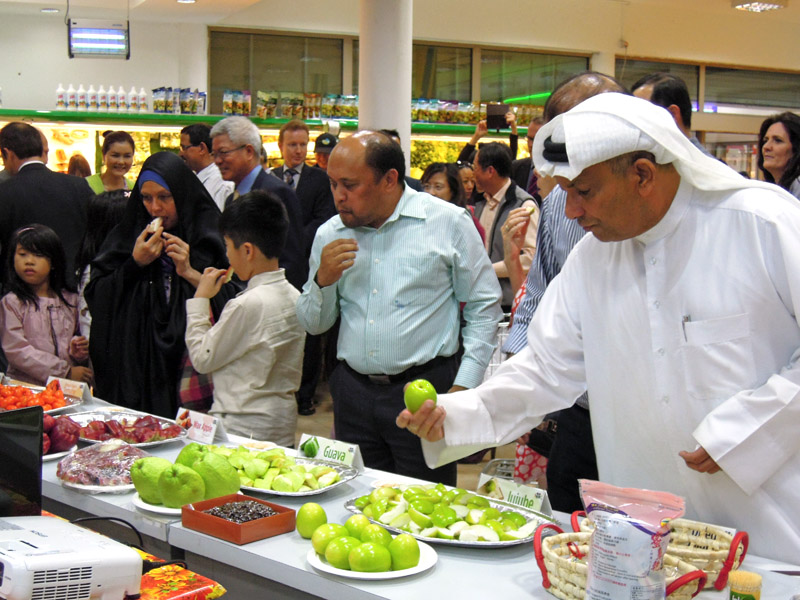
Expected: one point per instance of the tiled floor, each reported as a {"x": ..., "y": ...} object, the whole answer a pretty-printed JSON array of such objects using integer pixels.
[{"x": 321, "y": 423}]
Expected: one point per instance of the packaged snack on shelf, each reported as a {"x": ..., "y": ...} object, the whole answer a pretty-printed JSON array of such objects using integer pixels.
[
  {"x": 285, "y": 107},
  {"x": 474, "y": 113},
  {"x": 186, "y": 101},
  {"x": 247, "y": 104},
  {"x": 176, "y": 101},
  {"x": 629, "y": 541},
  {"x": 462, "y": 113},
  {"x": 298, "y": 108},
  {"x": 227, "y": 102},
  {"x": 328, "y": 106},
  {"x": 338, "y": 108},
  {"x": 447, "y": 111}
]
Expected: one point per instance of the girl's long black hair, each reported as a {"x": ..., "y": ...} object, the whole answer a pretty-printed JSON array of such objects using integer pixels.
[
  {"x": 102, "y": 215},
  {"x": 43, "y": 241}
]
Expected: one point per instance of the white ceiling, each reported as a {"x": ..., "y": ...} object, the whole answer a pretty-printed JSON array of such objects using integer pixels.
[{"x": 213, "y": 11}]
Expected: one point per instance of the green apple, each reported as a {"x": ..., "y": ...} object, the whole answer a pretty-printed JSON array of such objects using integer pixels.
[
  {"x": 179, "y": 485},
  {"x": 338, "y": 551},
  {"x": 310, "y": 516},
  {"x": 416, "y": 392},
  {"x": 382, "y": 492},
  {"x": 355, "y": 525},
  {"x": 370, "y": 558},
  {"x": 324, "y": 534},
  {"x": 377, "y": 534},
  {"x": 405, "y": 552},
  {"x": 443, "y": 516},
  {"x": 362, "y": 501},
  {"x": 144, "y": 476}
]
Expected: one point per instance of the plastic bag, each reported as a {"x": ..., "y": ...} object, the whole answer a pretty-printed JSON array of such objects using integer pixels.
[
  {"x": 107, "y": 464},
  {"x": 629, "y": 540}
]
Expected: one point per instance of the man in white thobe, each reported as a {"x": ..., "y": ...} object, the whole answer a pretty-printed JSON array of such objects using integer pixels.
[{"x": 680, "y": 315}]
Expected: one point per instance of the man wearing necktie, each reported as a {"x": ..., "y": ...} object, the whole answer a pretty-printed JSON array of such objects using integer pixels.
[
  {"x": 236, "y": 148},
  {"x": 316, "y": 202},
  {"x": 501, "y": 195}
]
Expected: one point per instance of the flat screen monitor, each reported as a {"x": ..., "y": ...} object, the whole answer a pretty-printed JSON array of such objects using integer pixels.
[
  {"x": 21, "y": 462},
  {"x": 99, "y": 39}
]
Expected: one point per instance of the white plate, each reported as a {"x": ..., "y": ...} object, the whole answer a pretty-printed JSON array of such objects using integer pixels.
[
  {"x": 427, "y": 558},
  {"x": 396, "y": 481},
  {"x": 98, "y": 489},
  {"x": 155, "y": 508},
  {"x": 57, "y": 455}
]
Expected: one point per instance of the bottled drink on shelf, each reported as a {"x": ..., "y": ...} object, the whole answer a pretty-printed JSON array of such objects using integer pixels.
[
  {"x": 91, "y": 96},
  {"x": 112, "y": 99},
  {"x": 142, "y": 100},
  {"x": 83, "y": 100},
  {"x": 122, "y": 100},
  {"x": 61, "y": 98},
  {"x": 72, "y": 98},
  {"x": 133, "y": 100},
  {"x": 102, "y": 99}
]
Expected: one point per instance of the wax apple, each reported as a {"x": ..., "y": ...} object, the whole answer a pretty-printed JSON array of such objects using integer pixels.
[{"x": 416, "y": 392}]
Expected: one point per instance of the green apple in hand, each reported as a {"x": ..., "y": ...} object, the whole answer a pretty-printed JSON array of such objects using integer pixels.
[{"x": 416, "y": 392}]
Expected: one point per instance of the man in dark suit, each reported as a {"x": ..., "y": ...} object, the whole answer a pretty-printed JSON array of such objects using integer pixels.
[
  {"x": 522, "y": 168},
  {"x": 310, "y": 185},
  {"x": 35, "y": 194},
  {"x": 500, "y": 196},
  {"x": 313, "y": 189},
  {"x": 236, "y": 145}
]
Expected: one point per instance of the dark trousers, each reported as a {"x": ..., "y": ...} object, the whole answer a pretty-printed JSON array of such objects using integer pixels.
[
  {"x": 571, "y": 458},
  {"x": 312, "y": 367},
  {"x": 364, "y": 413}
]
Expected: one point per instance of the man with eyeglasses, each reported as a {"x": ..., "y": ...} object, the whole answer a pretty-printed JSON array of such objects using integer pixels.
[
  {"x": 196, "y": 153},
  {"x": 236, "y": 145}
]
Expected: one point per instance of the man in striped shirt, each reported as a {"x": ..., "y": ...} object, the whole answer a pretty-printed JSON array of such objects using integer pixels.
[
  {"x": 395, "y": 264},
  {"x": 572, "y": 455}
]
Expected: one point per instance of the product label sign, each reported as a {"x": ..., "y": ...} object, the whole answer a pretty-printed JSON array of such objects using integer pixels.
[
  {"x": 313, "y": 446},
  {"x": 520, "y": 494},
  {"x": 76, "y": 389},
  {"x": 200, "y": 427}
]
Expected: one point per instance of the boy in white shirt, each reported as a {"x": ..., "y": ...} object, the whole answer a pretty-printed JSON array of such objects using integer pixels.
[{"x": 255, "y": 352}]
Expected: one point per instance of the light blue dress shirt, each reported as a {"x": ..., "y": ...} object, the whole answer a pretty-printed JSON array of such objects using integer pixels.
[
  {"x": 399, "y": 302},
  {"x": 247, "y": 183}
]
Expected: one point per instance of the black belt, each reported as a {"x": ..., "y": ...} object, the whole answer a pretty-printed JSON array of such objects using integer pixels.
[{"x": 404, "y": 377}]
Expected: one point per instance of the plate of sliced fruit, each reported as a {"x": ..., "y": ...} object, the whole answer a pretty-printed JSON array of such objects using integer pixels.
[
  {"x": 439, "y": 514},
  {"x": 138, "y": 429}
]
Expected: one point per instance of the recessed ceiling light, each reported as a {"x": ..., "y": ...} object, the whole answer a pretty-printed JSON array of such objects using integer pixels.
[
  {"x": 759, "y": 6},
  {"x": 50, "y": 11},
  {"x": 186, "y": 1}
]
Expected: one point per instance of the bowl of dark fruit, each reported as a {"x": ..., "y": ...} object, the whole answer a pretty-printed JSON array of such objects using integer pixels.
[{"x": 238, "y": 518}]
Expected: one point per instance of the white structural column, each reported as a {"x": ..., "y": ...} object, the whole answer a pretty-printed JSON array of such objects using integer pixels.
[{"x": 384, "y": 67}]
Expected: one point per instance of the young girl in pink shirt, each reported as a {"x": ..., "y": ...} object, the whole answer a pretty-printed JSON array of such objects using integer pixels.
[{"x": 39, "y": 316}]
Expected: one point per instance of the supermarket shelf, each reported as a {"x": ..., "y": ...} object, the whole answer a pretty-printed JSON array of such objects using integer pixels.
[{"x": 181, "y": 120}]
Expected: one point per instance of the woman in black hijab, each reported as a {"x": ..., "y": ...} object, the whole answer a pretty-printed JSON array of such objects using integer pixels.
[{"x": 143, "y": 275}]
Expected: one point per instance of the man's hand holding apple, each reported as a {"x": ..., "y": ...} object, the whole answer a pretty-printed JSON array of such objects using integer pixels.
[
  {"x": 427, "y": 422},
  {"x": 336, "y": 258}
]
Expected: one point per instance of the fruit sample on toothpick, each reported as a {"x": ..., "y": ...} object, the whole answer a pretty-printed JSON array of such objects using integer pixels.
[{"x": 416, "y": 392}]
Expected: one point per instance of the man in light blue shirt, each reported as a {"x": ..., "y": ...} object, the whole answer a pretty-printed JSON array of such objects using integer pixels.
[{"x": 395, "y": 264}]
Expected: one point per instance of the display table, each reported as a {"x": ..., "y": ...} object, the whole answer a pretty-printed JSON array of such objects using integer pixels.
[{"x": 279, "y": 564}]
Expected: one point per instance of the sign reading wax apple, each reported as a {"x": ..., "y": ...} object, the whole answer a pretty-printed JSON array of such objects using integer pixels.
[
  {"x": 201, "y": 427},
  {"x": 313, "y": 446},
  {"x": 519, "y": 494}
]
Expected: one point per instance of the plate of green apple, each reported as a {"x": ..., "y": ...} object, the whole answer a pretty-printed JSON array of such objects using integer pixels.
[
  {"x": 439, "y": 514},
  {"x": 274, "y": 472}
]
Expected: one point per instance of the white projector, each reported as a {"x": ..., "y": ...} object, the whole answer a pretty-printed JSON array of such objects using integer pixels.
[{"x": 45, "y": 558}]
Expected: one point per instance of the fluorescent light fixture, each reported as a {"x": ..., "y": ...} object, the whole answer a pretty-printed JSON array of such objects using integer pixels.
[
  {"x": 186, "y": 1},
  {"x": 759, "y": 6},
  {"x": 99, "y": 39},
  {"x": 50, "y": 11}
]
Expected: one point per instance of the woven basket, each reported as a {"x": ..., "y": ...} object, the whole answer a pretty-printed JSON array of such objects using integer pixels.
[
  {"x": 562, "y": 561},
  {"x": 708, "y": 548}
]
